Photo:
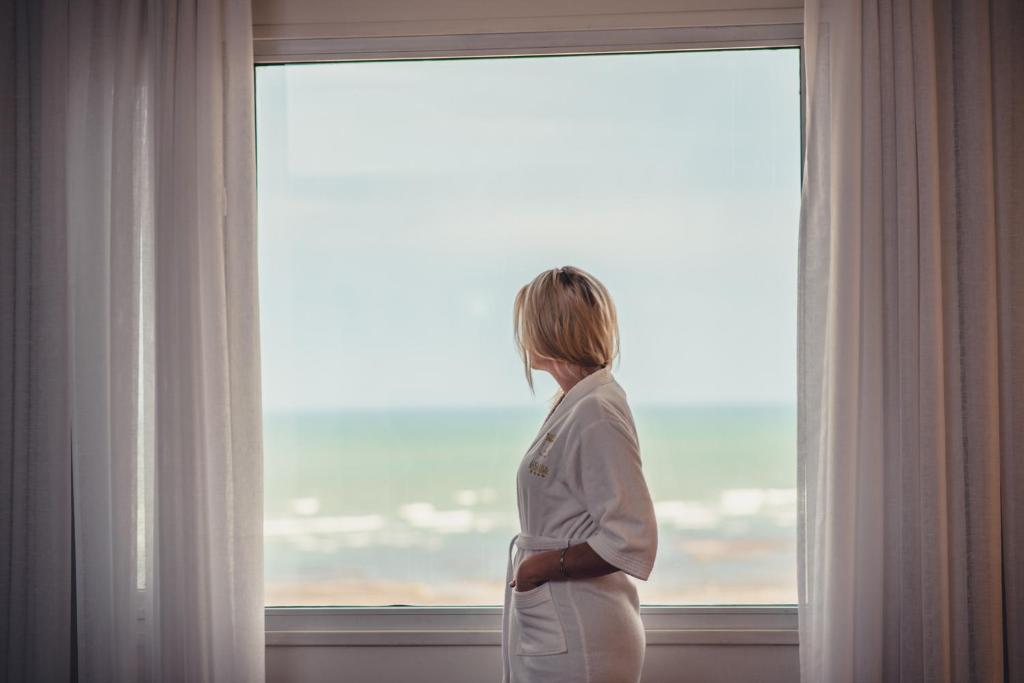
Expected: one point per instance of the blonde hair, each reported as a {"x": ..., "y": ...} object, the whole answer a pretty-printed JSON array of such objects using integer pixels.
[{"x": 567, "y": 315}]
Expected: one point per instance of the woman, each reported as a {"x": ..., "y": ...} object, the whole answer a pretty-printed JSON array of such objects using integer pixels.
[{"x": 571, "y": 612}]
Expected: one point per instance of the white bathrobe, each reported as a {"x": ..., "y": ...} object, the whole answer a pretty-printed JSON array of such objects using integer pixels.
[{"x": 581, "y": 481}]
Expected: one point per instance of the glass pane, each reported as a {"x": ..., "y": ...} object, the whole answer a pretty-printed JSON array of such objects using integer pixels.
[{"x": 401, "y": 206}]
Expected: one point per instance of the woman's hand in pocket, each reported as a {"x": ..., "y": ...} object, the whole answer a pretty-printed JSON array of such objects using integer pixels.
[
  {"x": 522, "y": 587},
  {"x": 531, "y": 573}
]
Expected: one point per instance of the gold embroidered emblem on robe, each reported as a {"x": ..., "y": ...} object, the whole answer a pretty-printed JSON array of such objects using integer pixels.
[
  {"x": 537, "y": 468},
  {"x": 549, "y": 441}
]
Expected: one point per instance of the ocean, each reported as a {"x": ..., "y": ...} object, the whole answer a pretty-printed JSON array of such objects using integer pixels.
[{"x": 417, "y": 507}]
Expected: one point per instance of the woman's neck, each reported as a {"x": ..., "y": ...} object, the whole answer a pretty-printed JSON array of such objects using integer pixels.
[{"x": 568, "y": 378}]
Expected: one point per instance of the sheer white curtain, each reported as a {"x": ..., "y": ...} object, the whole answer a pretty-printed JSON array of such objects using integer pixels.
[
  {"x": 130, "y": 398},
  {"x": 911, "y": 337}
]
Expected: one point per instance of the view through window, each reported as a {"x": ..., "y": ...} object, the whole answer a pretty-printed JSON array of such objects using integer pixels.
[{"x": 401, "y": 206}]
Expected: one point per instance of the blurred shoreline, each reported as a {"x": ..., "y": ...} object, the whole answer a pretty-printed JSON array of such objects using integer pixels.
[{"x": 417, "y": 507}]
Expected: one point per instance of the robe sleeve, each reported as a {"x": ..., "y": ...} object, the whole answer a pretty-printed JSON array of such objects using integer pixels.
[{"x": 616, "y": 496}]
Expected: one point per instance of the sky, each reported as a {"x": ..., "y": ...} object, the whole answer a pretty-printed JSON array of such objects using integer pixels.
[{"x": 403, "y": 203}]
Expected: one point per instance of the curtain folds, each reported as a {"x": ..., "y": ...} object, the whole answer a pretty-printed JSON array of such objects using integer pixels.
[
  {"x": 130, "y": 401},
  {"x": 36, "y": 636},
  {"x": 911, "y": 325}
]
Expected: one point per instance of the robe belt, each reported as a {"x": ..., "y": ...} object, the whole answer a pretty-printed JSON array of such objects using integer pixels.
[{"x": 525, "y": 542}]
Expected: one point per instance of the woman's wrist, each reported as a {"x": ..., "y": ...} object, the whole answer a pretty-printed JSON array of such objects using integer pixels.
[
  {"x": 581, "y": 561},
  {"x": 558, "y": 565},
  {"x": 562, "y": 569},
  {"x": 545, "y": 566},
  {"x": 555, "y": 564}
]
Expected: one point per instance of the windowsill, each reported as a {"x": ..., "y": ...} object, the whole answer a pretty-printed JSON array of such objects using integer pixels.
[{"x": 468, "y": 626}]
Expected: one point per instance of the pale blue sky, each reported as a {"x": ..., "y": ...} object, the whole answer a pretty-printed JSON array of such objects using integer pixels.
[{"x": 402, "y": 204}]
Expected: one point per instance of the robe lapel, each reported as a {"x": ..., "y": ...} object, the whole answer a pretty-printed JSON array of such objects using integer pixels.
[{"x": 571, "y": 397}]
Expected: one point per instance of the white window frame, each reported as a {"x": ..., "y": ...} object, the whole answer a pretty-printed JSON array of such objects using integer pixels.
[{"x": 467, "y": 626}]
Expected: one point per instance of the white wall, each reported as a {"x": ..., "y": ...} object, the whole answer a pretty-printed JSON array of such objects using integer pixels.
[{"x": 672, "y": 656}]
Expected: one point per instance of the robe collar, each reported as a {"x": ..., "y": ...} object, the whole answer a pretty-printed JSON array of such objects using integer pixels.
[{"x": 579, "y": 390}]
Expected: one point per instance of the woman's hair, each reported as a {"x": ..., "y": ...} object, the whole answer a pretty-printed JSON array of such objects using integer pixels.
[{"x": 565, "y": 314}]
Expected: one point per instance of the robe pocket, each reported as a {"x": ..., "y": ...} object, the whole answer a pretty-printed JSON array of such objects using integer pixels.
[{"x": 540, "y": 627}]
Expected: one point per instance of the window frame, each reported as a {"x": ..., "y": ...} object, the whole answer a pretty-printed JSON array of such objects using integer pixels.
[{"x": 340, "y": 626}]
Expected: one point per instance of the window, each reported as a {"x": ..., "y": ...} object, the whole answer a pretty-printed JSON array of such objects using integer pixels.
[{"x": 402, "y": 204}]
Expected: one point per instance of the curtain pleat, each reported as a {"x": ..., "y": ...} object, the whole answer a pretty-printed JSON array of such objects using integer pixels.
[
  {"x": 35, "y": 441},
  {"x": 912, "y": 317},
  {"x": 133, "y": 353}
]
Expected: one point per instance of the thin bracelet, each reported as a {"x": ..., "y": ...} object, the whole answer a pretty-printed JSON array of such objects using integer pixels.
[{"x": 561, "y": 563}]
